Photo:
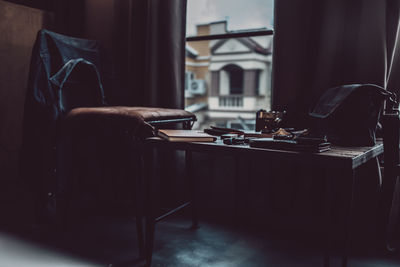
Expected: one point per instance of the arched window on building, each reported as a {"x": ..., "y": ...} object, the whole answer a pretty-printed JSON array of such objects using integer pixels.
[{"x": 234, "y": 82}]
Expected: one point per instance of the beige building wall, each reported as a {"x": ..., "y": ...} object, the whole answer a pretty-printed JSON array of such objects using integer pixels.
[
  {"x": 199, "y": 66},
  {"x": 200, "y": 72},
  {"x": 203, "y": 47}
]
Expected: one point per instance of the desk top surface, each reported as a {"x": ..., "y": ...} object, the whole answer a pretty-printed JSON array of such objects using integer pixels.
[{"x": 350, "y": 157}]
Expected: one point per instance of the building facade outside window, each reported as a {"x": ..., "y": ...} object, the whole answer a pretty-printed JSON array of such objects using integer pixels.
[{"x": 228, "y": 79}]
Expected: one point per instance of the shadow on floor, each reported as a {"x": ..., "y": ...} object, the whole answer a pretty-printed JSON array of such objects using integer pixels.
[{"x": 111, "y": 241}]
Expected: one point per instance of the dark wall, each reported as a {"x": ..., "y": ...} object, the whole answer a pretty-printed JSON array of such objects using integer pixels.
[
  {"x": 18, "y": 28},
  {"x": 40, "y": 4},
  {"x": 105, "y": 20}
]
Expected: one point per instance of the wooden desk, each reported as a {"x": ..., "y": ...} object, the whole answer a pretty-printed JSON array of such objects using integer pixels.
[{"x": 345, "y": 159}]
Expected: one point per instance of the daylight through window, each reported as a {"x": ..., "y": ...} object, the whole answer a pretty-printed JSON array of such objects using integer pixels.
[{"x": 228, "y": 79}]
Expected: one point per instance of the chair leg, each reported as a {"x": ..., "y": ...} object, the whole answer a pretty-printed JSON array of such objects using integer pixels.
[
  {"x": 192, "y": 188},
  {"x": 139, "y": 230},
  {"x": 138, "y": 210},
  {"x": 62, "y": 212},
  {"x": 328, "y": 218},
  {"x": 150, "y": 173},
  {"x": 149, "y": 245}
]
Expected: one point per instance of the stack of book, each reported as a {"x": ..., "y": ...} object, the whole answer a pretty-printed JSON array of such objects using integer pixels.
[{"x": 185, "y": 136}]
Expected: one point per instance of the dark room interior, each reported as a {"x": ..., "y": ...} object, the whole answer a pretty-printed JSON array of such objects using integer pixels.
[{"x": 296, "y": 101}]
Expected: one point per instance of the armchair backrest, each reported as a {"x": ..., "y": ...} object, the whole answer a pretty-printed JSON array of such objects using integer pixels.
[
  {"x": 64, "y": 74},
  {"x": 58, "y": 61}
]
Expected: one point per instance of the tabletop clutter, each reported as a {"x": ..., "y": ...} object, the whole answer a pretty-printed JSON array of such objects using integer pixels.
[
  {"x": 345, "y": 115},
  {"x": 280, "y": 138},
  {"x": 268, "y": 135}
]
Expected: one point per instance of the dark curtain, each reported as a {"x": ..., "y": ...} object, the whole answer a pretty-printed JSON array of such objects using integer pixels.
[
  {"x": 69, "y": 17},
  {"x": 145, "y": 41},
  {"x": 321, "y": 44},
  {"x": 146, "y": 46},
  {"x": 149, "y": 51},
  {"x": 393, "y": 14},
  {"x": 164, "y": 81},
  {"x": 165, "y": 51}
]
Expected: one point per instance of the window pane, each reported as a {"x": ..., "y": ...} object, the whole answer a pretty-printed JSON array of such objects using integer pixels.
[
  {"x": 239, "y": 14},
  {"x": 228, "y": 80}
]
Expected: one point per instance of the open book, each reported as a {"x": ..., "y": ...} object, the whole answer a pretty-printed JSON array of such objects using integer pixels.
[{"x": 186, "y": 136}]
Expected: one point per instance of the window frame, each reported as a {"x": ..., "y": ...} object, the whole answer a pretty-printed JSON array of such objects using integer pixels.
[
  {"x": 232, "y": 34},
  {"x": 228, "y": 35}
]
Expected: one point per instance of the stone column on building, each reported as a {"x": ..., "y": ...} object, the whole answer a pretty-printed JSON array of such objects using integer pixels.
[
  {"x": 214, "y": 90},
  {"x": 250, "y": 82}
]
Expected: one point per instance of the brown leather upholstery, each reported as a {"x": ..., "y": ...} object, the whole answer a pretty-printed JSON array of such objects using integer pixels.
[
  {"x": 145, "y": 113},
  {"x": 133, "y": 119}
]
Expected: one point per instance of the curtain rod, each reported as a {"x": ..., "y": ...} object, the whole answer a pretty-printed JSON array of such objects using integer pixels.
[{"x": 230, "y": 35}]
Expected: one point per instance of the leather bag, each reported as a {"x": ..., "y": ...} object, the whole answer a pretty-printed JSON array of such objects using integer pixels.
[{"x": 349, "y": 114}]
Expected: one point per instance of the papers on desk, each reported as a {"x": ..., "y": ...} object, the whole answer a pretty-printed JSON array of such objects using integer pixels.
[{"x": 292, "y": 145}]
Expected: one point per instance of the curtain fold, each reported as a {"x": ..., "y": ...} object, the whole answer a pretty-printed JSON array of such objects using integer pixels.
[
  {"x": 165, "y": 47},
  {"x": 321, "y": 44},
  {"x": 151, "y": 65},
  {"x": 70, "y": 17},
  {"x": 393, "y": 16}
]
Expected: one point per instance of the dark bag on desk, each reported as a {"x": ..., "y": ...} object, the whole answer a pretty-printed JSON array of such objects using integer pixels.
[{"x": 349, "y": 114}]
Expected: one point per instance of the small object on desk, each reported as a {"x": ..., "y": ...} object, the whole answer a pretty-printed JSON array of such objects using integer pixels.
[
  {"x": 309, "y": 137},
  {"x": 218, "y": 131},
  {"x": 249, "y": 134},
  {"x": 230, "y": 133},
  {"x": 227, "y": 136},
  {"x": 298, "y": 133},
  {"x": 226, "y": 129},
  {"x": 235, "y": 141},
  {"x": 185, "y": 136},
  {"x": 268, "y": 120},
  {"x": 311, "y": 140},
  {"x": 282, "y": 134}
]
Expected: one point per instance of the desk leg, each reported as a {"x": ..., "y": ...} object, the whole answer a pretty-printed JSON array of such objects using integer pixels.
[
  {"x": 237, "y": 191},
  {"x": 192, "y": 187},
  {"x": 149, "y": 173},
  {"x": 328, "y": 217},
  {"x": 349, "y": 218},
  {"x": 241, "y": 188}
]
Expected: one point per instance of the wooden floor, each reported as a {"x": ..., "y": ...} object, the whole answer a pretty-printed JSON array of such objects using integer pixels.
[{"x": 101, "y": 241}]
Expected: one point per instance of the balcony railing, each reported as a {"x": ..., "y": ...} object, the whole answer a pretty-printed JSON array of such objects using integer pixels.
[{"x": 231, "y": 101}]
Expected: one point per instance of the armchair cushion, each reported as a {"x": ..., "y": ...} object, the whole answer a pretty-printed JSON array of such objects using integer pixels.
[{"x": 136, "y": 120}]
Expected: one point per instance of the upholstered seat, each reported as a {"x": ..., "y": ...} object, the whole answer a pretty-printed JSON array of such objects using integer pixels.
[
  {"x": 138, "y": 121},
  {"x": 147, "y": 114}
]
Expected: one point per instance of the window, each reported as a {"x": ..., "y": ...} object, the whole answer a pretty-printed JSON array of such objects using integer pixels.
[
  {"x": 229, "y": 56},
  {"x": 235, "y": 79}
]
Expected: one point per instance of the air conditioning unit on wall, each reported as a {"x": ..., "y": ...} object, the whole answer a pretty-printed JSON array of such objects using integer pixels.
[{"x": 197, "y": 87}]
